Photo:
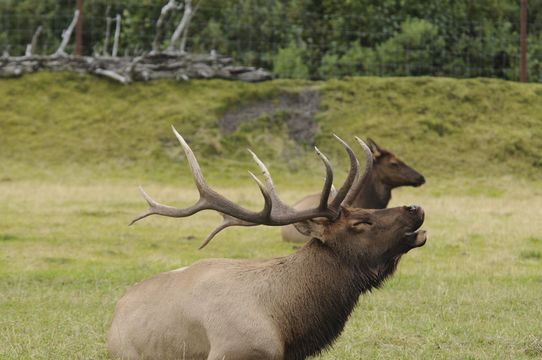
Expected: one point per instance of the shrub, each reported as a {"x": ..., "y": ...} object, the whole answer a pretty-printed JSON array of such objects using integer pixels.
[
  {"x": 534, "y": 57},
  {"x": 355, "y": 61},
  {"x": 415, "y": 50},
  {"x": 289, "y": 62},
  {"x": 329, "y": 67}
]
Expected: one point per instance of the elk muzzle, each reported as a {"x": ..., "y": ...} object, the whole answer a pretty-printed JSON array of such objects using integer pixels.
[
  {"x": 420, "y": 180},
  {"x": 415, "y": 238}
]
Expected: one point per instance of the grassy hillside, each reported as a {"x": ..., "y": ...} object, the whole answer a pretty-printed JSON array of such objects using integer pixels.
[
  {"x": 63, "y": 124},
  {"x": 73, "y": 148}
]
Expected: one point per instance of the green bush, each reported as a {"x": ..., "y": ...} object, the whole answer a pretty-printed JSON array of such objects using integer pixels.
[
  {"x": 357, "y": 60},
  {"x": 330, "y": 67},
  {"x": 415, "y": 50},
  {"x": 461, "y": 38},
  {"x": 212, "y": 37},
  {"x": 491, "y": 52},
  {"x": 535, "y": 58},
  {"x": 289, "y": 62}
]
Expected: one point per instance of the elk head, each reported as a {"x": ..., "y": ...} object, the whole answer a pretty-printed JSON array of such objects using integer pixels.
[
  {"x": 375, "y": 238},
  {"x": 391, "y": 170}
]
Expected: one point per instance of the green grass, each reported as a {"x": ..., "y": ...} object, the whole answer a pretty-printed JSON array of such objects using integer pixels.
[
  {"x": 76, "y": 126},
  {"x": 472, "y": 292},
  {"x": 74, "y": 148}
]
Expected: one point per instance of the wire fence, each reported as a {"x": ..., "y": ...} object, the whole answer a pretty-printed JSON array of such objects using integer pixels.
[{"x": 312, "y": 45}]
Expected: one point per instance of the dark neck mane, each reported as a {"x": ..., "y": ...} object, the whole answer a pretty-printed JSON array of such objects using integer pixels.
[
  {"x": 374, "y": 195},
  {"x": 313, "y": 293}
]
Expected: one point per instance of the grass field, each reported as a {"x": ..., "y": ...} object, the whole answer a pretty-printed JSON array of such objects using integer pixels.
[
  {"x": 71, "y": 158},
  {"x": 473, "y": 291}
]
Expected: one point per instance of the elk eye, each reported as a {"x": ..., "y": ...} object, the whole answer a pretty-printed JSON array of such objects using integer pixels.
[
  {"x": 394, "y": 164},
  {"x": 361, "y": 223}
]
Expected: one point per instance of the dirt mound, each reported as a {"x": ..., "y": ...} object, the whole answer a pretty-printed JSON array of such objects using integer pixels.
[{"x": 297, "y": 109}]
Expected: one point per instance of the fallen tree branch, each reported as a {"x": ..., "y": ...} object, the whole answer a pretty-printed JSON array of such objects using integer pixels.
[
  {"x": 112, "y": 75},
  {"x": 142, "y": 68}
]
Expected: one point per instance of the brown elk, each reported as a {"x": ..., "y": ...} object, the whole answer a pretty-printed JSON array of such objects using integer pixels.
[
  {"x": 388, "y": 173},
  {"x": 290, "y": 307}
]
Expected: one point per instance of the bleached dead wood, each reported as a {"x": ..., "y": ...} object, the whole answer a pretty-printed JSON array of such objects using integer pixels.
[
  {"x": 164, "y": 14},
  {"x": 182, "y": 46},
  {"x": 142, "y": 68},
  {"x": 66, "y": 34},
  {"x": 112, "y": 75},
  {"x": 117, "y": 36},
  {"x": 31, "y": 48},
  {"x": 173, "y": 64},
  {"x": 183, "y": 25}
]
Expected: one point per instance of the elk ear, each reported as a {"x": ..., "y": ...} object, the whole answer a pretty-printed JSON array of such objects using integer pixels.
[
  {"x": 313, "y": 228},
  {"x": 375, "y": 149}
]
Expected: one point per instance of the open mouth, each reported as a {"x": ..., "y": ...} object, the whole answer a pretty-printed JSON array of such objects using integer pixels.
[{"x": 416, "y": 238}]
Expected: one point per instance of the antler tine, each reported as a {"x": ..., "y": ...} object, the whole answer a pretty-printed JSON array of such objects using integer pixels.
[
  {"x": 160, "y": 209},
  {"x": 203, "y": 188},
  {"x": 328, "y": 183},
  {"x": 149, "y": 211},
  {"x": 228, "y": 221},
  {"x": 232, "y": 221},
  {"x": 192, "y": 162},
  {"x": 361, "y": 179},
  {"x": 266, "y": 174},
  {"x": 268, "y": 205},
  {"x": 368, "y": 156},
  {"x": 283, "y": 214},
  {"x": 352, "y": 174},
  {"x": 278, "y": 204}
]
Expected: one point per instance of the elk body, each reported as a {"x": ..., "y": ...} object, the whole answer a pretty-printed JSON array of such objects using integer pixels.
[
  {"x": 388, "y": 173},
  {"x": 284, "y": 308}
]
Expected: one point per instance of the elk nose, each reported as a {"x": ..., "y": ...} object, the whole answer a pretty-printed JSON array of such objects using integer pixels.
[
  {"x": 420, "y": 181},
  {"x": 416, "y": 211}
]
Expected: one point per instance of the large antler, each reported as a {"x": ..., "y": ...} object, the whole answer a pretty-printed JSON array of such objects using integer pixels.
[
  {"x": 275, "y": 211},
  {"x": 361, "y": 180}
]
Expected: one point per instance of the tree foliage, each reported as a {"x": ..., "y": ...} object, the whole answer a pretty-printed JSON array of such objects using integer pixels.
[{"x": 319, "y": 38}]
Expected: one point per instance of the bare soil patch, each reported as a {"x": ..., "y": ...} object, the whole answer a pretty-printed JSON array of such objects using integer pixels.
[{"x": 297, "y": 109}]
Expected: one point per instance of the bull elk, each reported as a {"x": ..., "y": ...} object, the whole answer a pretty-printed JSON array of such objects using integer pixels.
[
  {"x": 388, "y": 173},
  {"x": 289, "y": 307}
]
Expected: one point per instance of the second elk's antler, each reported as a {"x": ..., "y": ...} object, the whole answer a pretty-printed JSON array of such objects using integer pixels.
[{"x": 275, "y": 212}]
